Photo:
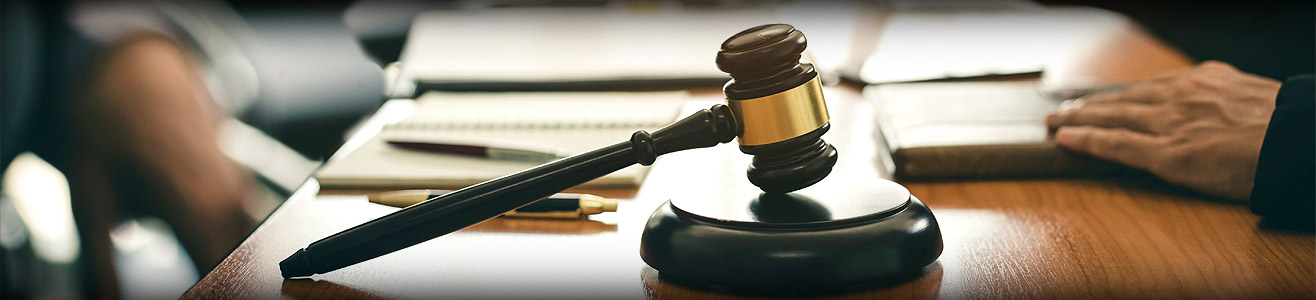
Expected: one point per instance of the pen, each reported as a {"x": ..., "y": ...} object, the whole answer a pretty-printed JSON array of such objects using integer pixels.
[
  {"x": 491, "y": 149},
  {"x": 557, "y": 206}
]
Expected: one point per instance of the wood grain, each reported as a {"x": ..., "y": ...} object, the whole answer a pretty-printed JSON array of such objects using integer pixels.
[{"x": 1118, "y": 54}]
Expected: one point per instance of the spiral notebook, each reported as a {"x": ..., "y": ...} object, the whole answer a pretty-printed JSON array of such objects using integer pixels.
[{"x": 574, "y": 123}]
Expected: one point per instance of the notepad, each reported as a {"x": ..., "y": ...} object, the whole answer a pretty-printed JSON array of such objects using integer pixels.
[{"x": 574, "y": 122}]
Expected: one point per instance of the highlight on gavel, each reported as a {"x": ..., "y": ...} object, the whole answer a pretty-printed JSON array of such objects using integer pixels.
[{"x": 774, "y": 107}]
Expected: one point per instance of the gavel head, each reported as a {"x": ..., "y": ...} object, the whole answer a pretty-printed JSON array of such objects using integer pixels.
[{"x": 778, "y": 105}]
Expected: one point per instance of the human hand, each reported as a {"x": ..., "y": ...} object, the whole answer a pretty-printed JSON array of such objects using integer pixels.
[{"x": 1200, "y": 128}]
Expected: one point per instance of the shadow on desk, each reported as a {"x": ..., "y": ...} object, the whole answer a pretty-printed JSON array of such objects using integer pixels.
[
  {"x": 547, "y": 226},
  {"x": 924, "y": 284},
  {"x": 322, "y": 289}
]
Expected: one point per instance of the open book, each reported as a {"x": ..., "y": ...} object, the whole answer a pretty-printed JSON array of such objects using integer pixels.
[{"x": 574, "y": 123}]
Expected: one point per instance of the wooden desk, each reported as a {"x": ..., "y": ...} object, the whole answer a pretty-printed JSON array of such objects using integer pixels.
[
  {"x": 1046, "y": 238},
  {"x": 1042, "y": 238}
]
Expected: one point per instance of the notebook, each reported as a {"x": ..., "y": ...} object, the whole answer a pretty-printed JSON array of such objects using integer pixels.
[
  {"x": 972, "y": 129},
  {"x": 571, "y": 48},
  {"x": 575, "y": 123}
]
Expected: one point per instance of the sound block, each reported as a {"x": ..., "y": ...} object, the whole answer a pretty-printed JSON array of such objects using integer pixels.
[{"x": 837, "y": 235}]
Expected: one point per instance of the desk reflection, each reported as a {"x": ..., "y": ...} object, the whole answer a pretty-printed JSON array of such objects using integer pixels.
[
  {"x": 925, "y": 284},
  {"x": 322, "y": 289},
  {"x": 548, "y": 226}
]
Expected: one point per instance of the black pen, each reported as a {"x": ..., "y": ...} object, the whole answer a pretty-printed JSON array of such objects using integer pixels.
[
  {"x": 557, "y": 206},
  {"x": 491, "y": 149}
]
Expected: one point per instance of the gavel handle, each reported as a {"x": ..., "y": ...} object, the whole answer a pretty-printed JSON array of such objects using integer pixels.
[{"x": 468, "y": 206}]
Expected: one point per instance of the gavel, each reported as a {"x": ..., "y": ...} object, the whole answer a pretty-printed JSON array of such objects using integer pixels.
[
  {"x": 774, "y": 107},
  {"x": 779, "y": 108}
]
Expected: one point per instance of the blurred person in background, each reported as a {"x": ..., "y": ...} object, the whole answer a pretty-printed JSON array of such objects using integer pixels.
[
  {"x": 126, "y": 100},
  {"x": 131, "y": 126}
]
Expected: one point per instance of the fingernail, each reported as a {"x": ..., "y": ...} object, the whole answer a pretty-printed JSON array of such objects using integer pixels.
[
  {"x": 1052, "y": 118},
  {"x": 1068, "y": 136}
]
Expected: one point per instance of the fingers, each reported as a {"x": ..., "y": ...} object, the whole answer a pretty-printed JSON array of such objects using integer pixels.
[
  {"x": 1134, "y": 116},
  {"x": 1134, "y": 149},
  {"x": 1216, "y": 65},
  {"x": 1143, "y": 92}
]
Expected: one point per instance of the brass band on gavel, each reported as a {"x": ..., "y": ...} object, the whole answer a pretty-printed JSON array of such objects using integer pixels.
[{"x": 781, "y": 116}]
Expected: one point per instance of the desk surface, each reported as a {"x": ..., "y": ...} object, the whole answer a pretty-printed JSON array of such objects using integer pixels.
[
  {"x": 1045, "y": 238},
  {"x": 1037, "y": 238}
]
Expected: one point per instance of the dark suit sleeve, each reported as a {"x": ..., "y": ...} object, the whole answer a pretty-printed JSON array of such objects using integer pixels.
[{"x": 1284, "y": 191}]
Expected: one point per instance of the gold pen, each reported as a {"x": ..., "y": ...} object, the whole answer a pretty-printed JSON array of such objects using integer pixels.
[{"x": 557, "y": 206}]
